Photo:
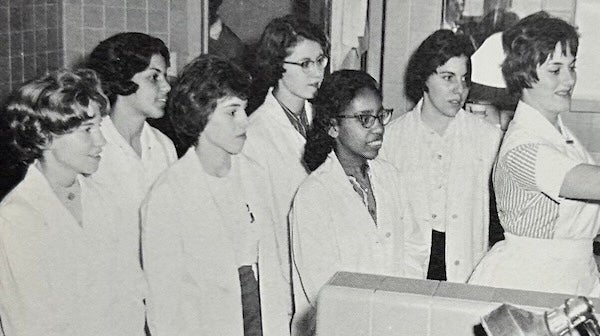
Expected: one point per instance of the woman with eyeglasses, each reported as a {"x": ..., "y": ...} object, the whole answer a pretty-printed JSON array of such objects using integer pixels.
[
  {"x": 446, "y": 155},
  {"x": 291, "y": 57},
  {"x": 347, "y": 215}
]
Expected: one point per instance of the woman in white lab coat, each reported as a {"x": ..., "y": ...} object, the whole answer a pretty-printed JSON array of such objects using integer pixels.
[
  {"x": 59, "y": 263},
  {"x": 206, "y": 244},
  {"x": 132, "y": 68},
  {"x": 290, "y": 60},
  {"x": 347, "y": 215},
  {"x": 547, "y": 184}
]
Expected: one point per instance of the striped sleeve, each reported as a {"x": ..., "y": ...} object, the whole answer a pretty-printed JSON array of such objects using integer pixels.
[
  {"x": 539, "y": 167},
  {"x": 520, "y": 163}
]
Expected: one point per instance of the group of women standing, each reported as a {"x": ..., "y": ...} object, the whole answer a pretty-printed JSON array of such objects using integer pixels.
[{"x": 110, "y": 234}]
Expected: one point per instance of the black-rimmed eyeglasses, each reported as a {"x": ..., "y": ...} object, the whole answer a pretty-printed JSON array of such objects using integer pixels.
[
  {"x": 307, "y": 65},
  {"x": 368, "y": 120}
]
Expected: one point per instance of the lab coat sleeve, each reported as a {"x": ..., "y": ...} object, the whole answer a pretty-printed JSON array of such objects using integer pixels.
[
  {"x": 30, "y": 303},
  {"x": 162, "y": 261},
  {"x": 315, "y": 257}
]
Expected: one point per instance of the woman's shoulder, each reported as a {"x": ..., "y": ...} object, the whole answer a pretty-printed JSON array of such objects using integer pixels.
[{"x": 17, "y": 211}]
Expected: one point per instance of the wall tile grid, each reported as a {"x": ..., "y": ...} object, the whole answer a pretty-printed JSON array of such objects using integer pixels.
[
  {"x": 87, "y": 22},
  {"x": 30, "y": 40}
]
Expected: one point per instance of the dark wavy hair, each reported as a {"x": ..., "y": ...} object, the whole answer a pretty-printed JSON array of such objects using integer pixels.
[
  {"x": 194, "y": 95},
  {"x": 434, "y": 52},
  {"x": 43, "y": 108},
  {"x": 118, "y": 58},
  {"x": 333, "y": 97},
  {"x": 529, "y": 43},
  {"x": 274, "y": 45}
]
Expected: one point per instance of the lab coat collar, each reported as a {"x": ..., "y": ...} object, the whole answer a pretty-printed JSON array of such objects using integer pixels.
[
  {"x": 36, "y": 190},
  {"x": 274, "y": 110},
  {"x": 529, "y": 118},
  {"x": 460, "y": 115},
  {"x": 112, "y": 135}
]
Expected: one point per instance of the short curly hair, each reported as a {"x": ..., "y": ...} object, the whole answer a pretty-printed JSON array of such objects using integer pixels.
[
  {"x": 274, "y": 45},
  {"x": 118, "y": 58},
  {"x": 43, "y": 108},
  {"x": 336, "y": 93},
  {"x": 529, "y": 43},
  {"x": 434, "y": 52},
  {"x": 194, "y": 95}
]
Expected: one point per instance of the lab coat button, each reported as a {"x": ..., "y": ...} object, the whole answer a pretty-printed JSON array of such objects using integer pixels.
[
  {"x": 388, "y": 234},
  {"x": 439, "y": 156},
  {"x": 456, "y": 262},
  {"x": 434, "y": 216},
  {"x": 455, "y": 216}
]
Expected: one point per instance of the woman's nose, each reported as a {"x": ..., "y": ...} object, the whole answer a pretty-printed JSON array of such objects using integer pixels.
[
  {"x": 165, "y": 86},
  {"x": 99, "y": 139}
]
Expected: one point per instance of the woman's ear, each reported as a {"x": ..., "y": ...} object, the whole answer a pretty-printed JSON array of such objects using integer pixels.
[{"x": 333, "y": 129}]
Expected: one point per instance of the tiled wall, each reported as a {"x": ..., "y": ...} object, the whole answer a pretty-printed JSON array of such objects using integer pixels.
[
  {"x": 30, "y": 40},
  {"x": 87, "y": 22}
]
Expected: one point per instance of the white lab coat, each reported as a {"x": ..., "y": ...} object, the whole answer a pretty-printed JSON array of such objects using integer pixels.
[
  {"x": 333, "y": 231},
  {"x": 128, "y": 177},
  {"x": 60, "y": 278},
  {"x": 467, "y": 188},
  {"x": 276, "y": 146},
  {"x": 189, "y": 261}
]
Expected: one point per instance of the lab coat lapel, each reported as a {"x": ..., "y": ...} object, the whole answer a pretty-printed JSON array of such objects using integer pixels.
[
  {"x": 339, "y": 182},
  {"x": 37, "y": 191}
]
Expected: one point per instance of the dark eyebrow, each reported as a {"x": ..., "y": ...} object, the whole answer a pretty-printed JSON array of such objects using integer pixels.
[{"x": 156, "y": 69}]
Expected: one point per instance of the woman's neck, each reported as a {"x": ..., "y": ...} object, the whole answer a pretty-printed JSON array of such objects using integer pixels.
[
  {"x": 215, "y": 161},
  {"x": 434, "y": 118},
  {"x": 56, "y": 176},
  {"x": 127, "y": 122},
  {"x": 291, "y": 101},
  {"x": 353, "y": 167},
  {"x": 551, "y": 116}
]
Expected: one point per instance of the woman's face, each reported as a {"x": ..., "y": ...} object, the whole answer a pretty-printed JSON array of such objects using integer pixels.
[
  {"x": 551, "y": 94},
  {"x": 295, "y": 80},
  {"x": 354, "y": 142},
  {"x": 226, "y": 127},
  {"x": 151, "y": 96},
  {"x": 447, "y": 87},
  {"x": 77, "y": 152}
]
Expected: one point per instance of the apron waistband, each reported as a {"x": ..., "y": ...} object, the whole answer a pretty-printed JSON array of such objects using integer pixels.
[{"x": 551, "y": 248}]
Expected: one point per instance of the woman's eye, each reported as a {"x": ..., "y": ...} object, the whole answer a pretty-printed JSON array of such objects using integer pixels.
[
  {"x": 447, "y": 78},
  {"x": 555, "y": 72}
]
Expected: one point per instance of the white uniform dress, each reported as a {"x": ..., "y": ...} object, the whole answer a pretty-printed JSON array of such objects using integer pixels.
[
  {"x": 193, "y": 228},
  {"x": 448, "y": 180},
  {"x": 548, "y": 244},
  {"x": 58, "y": 276},
  {"x": 333, "y": 231},
  {"x": 277, "y": 147},
  {"x": 128, "y": 177}
]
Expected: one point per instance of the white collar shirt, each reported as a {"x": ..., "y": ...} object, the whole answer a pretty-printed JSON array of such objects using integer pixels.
[
  {"x": 448, "y": 181},
  {"x": 532, "y": 206}
]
